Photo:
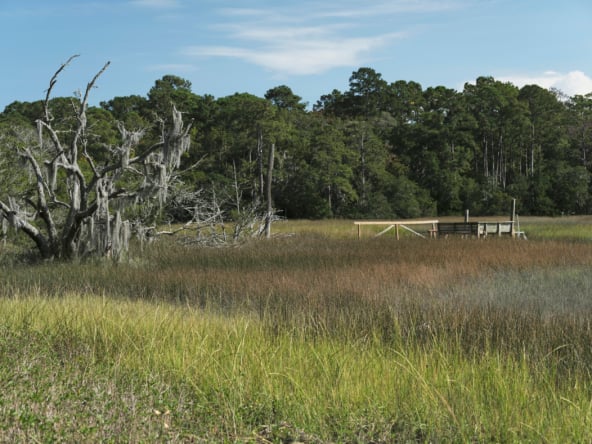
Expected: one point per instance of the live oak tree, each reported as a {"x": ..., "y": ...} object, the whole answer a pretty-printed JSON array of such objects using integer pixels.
[{"x": 74, "y": 204}]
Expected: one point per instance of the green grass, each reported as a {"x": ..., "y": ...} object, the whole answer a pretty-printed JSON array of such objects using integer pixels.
[
  {"x": 562, "y": 228},
  {"x": 306, "y": 338},
  {"x": 536, "y": 228},
  {"x": 94, "y": 369}
]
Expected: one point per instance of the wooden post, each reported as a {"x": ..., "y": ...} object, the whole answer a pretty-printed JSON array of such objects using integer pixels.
[
  {"x": 513, "y": 216},
  {"x": 268, "y": 184},
  {"x": 466, "y": 216},
  {"x": 397, "y": 230}
]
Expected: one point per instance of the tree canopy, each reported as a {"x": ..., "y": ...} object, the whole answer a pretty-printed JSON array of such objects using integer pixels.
[{"x": 379, "y": 149}]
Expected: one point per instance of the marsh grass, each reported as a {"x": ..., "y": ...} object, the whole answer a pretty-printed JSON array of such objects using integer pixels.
[
  {"x": 574, "y": 228},
  {"x": 304, "y": 337}
]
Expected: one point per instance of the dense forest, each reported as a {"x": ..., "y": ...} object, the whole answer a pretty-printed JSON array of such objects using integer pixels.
[{"x": 377, "y": 150}]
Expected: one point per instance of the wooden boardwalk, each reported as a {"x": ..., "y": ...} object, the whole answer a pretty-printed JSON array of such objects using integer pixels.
[{"x": 435, "y": 228}]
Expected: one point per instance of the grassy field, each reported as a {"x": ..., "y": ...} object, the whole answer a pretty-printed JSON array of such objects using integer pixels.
[{"x": 312, "y": 336}]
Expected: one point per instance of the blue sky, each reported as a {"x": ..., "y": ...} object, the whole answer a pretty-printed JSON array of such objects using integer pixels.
[{"x": 313, "y": 46}]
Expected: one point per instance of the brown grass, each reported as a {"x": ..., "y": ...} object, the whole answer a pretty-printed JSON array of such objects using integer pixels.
[{"x": 457, "y": 316}]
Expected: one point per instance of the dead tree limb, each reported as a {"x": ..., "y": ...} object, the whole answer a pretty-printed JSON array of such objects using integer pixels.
[{"x": 86, "y": 214}]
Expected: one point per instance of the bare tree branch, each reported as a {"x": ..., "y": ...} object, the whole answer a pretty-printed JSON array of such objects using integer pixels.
[
  {"x": 52, "y": 83},
  {"x": 88, "y": 211}
]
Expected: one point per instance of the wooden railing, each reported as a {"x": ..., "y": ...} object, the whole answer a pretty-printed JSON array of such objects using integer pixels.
[{"x": 396, "y": 224}]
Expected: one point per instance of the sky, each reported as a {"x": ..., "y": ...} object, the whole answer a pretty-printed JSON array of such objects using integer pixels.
[{"x": 312, "y": 46}]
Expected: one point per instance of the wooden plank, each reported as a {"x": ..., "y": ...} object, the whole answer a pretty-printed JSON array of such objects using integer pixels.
[
  {"x": 462, "y": 228},
  {"x": 498, "y": 228},
  {"x": 396, "y": 222},
  {"x": 413, "y": 231},
  {"x": 385, "y": 230}
]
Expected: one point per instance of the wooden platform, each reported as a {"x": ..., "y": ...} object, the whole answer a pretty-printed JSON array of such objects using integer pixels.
[
  {"x": 435, "y": 228},
  {"x": 478, "y": 229}
]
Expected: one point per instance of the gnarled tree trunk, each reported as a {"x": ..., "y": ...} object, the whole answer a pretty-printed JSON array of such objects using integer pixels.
[{"x": 86, "y": 214}]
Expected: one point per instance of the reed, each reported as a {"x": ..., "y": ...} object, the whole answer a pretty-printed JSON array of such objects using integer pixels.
[{"x": 303, "y": 337}]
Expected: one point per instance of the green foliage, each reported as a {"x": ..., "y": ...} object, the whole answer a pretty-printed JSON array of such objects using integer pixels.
[
  {"x": 12, "y": 178},
  {"x": 473, "y": 149},
  {"x": 168, "y": 91},
  {"x": 132, "y": 111},
  {"x": 283, "y": 97}
]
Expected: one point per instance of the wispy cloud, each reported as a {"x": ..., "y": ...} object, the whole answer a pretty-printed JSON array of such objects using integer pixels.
[
  {"x": 570, "y": 83},
  {"x": 299, "y": 55},
  {"x": 311, "y": 38},
  {"x": 390, "y": 7}
]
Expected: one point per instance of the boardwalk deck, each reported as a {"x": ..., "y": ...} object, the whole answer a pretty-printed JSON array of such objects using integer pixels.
[
  {"x": 479, "y": 229},
  {"x": 435, "y": 228}
]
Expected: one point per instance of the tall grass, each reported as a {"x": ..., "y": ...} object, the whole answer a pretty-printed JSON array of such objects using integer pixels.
[
  {"x": 564, "y": 228},
  {"x": 224, "y": 378},
  {"x": 303, "y": 338}
]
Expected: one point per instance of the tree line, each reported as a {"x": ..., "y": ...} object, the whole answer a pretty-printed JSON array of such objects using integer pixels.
[{"x": 378, "y": 150}]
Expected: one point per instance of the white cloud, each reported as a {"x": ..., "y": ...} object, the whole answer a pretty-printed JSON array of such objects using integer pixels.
[
  {"x": 298, "y": 51},
  {"x": 345, "y": 9},
  {"x": 574, "y": 82},
  {"x": 571, "y": 83},
  {"x": 311, "y": 37}
]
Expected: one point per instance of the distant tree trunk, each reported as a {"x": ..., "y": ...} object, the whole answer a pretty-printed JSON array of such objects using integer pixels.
[
  {"x": 237, "y": 194},
  {"x": 269, "y": 214},
  {"x": 363, "y": 168},
  {"x": 260, "y": 192}
]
